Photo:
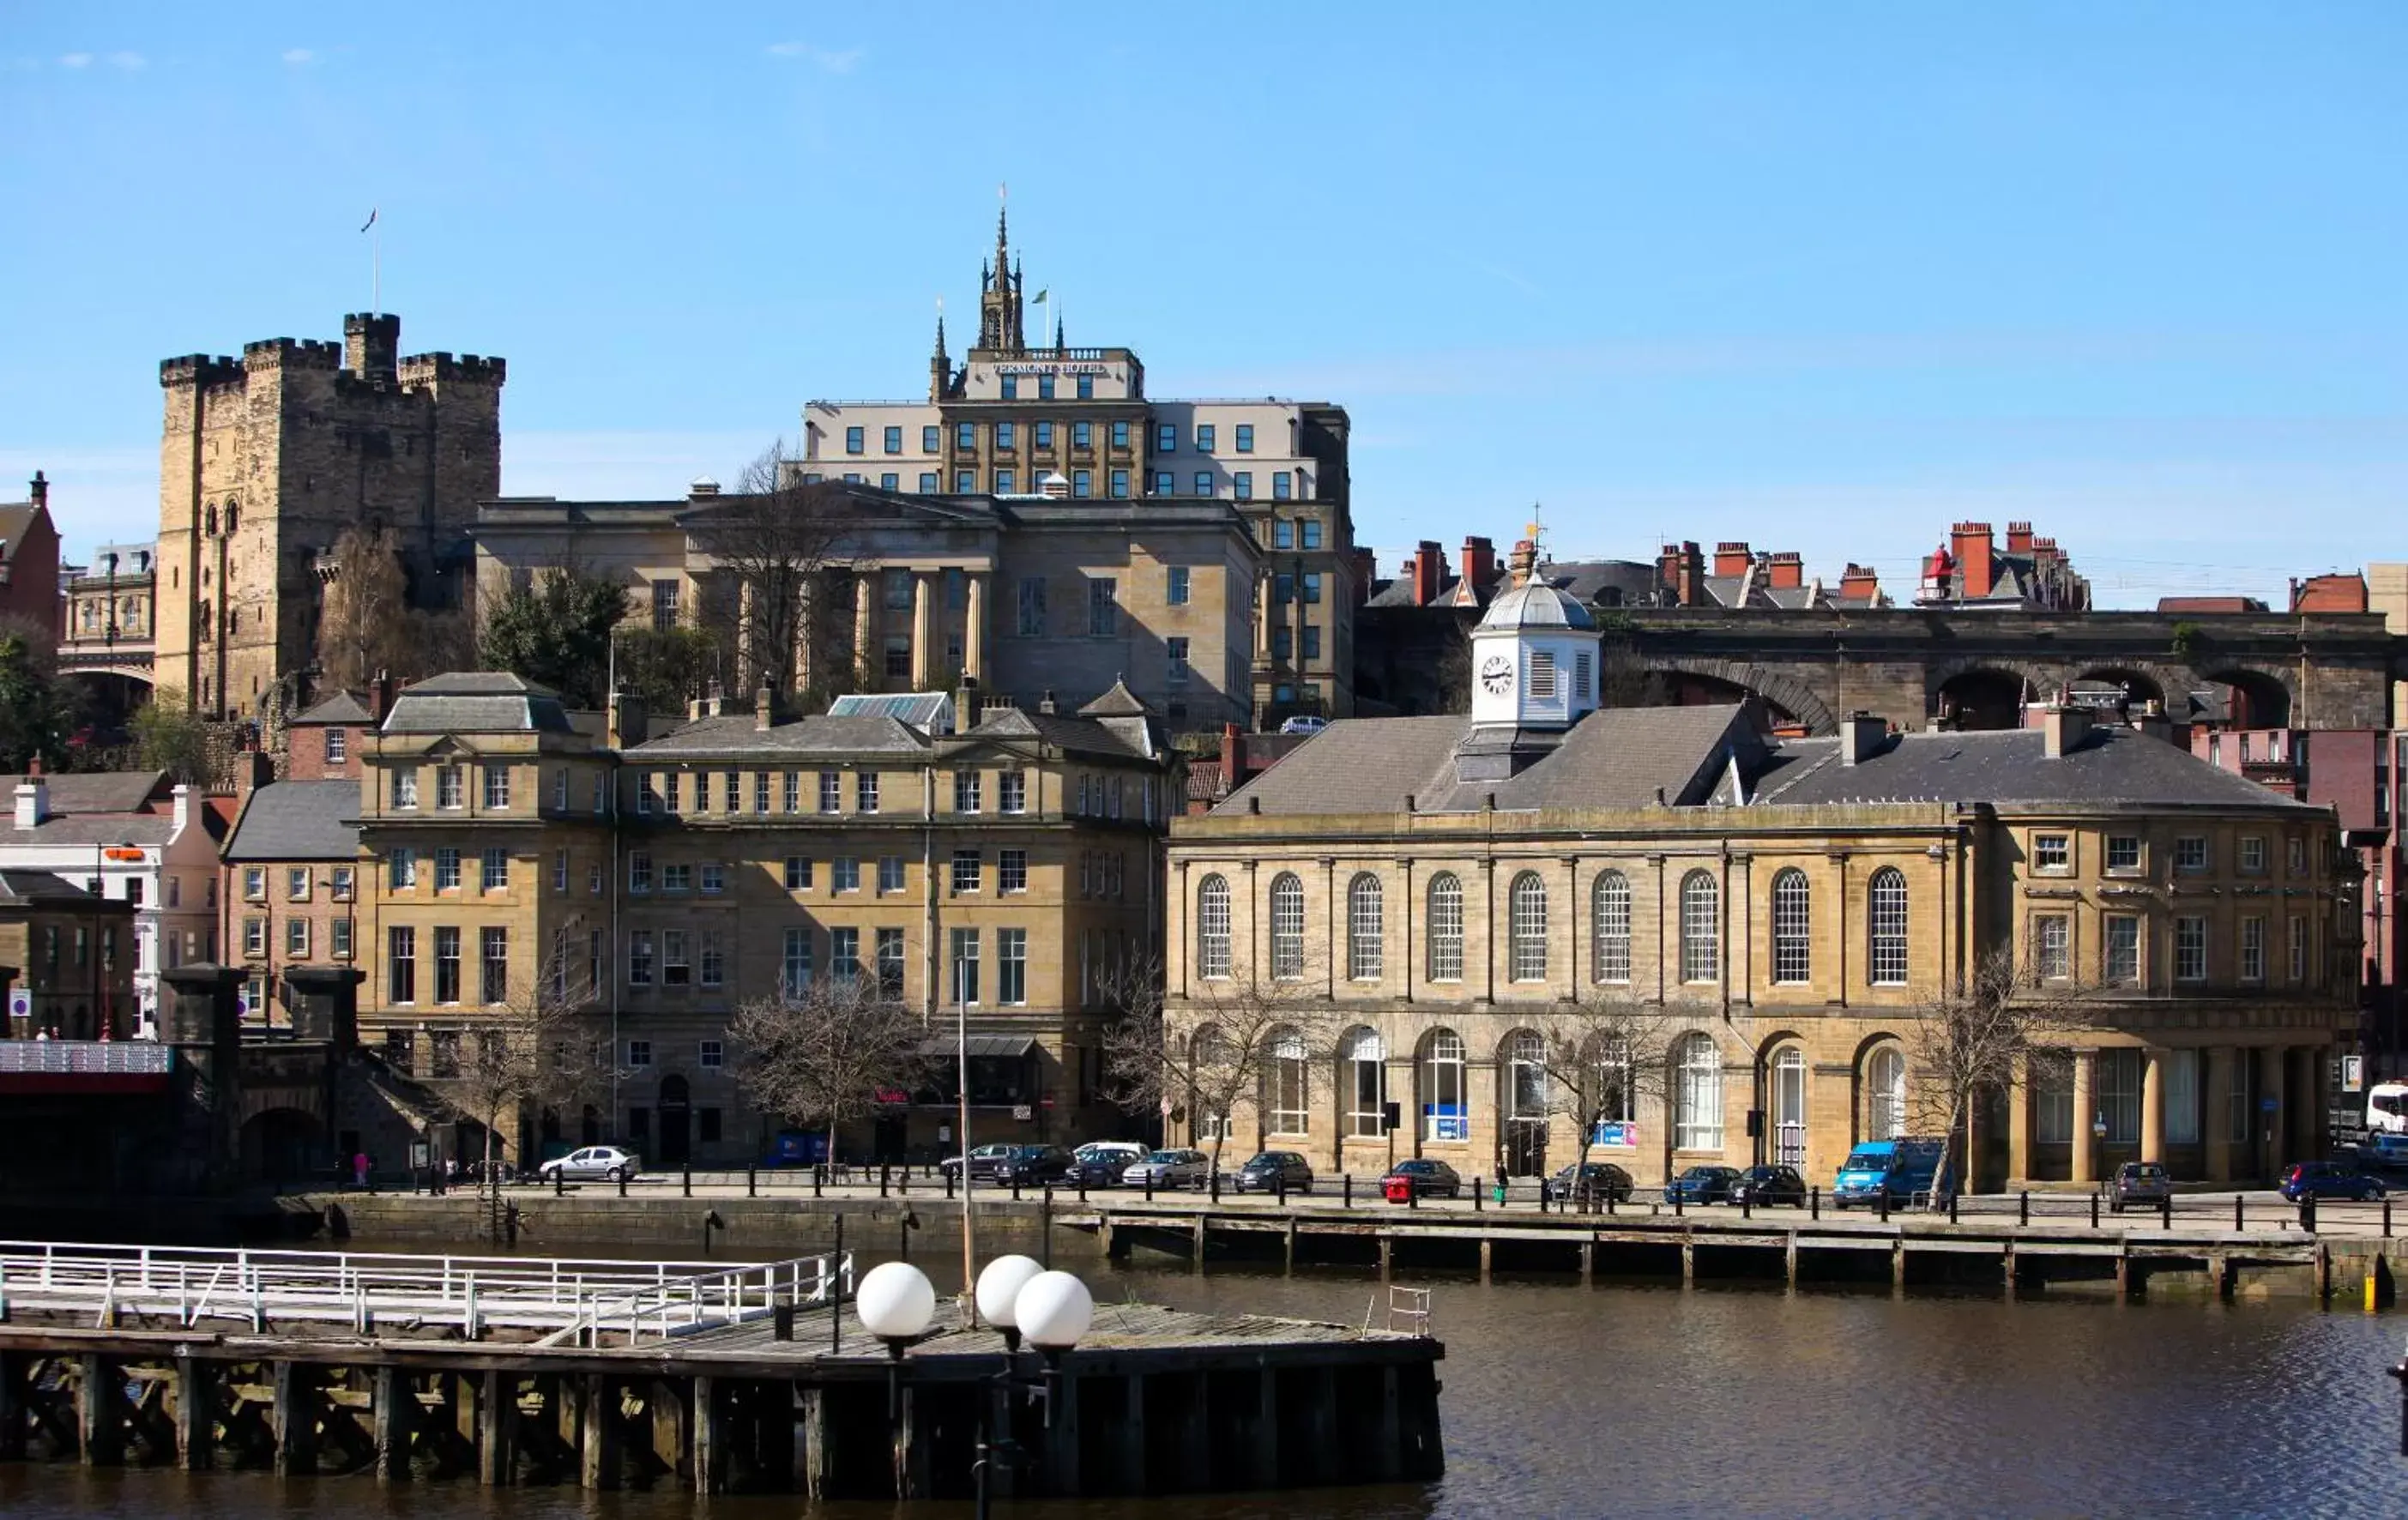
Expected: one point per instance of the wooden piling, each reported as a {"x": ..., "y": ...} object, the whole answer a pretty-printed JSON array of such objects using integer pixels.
[
  {"x": 296, "y": 1417},
  {"x": 1391, "y": 1452},
  {"x": 912, "y": 1439},
  {"x": 709, "y": 1436},
  {"x": 1131, "y": 1433},
  {"x": 1320, "y": 1427},
  {"x": 1897, "y": 1265},
  {"x": 1487, "y": 1256},
  {"x": 1290, "y": 1259},
  {"x": 1199, "y": 1241},
  {"x": 1589, "y": 1261},
  {"x": 498, "y": 1429},
  {"x": 1387, "y": 1257},
  {"x": 1689, "y": 1264},
  {"x": 811, "y": 1448},
  {"x": 1264, "y": 1446},
  {"x": 598, "y": 1435},
  {"x": 100, "y": 1413},
  {"x": 397, "y": 1415},
  {"x": 2007, "y": 1263},
  {"x": 1195, "y": 1435},
  {"x": 1061, "y": 1439},
  {"x": 1789, "y": 1262}
]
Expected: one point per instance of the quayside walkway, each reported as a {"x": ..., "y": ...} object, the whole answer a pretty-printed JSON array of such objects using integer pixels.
[{"x": 610, "y": 1374}]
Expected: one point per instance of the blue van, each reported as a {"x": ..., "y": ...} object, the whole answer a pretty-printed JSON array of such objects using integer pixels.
[{"x": 1903, "y": 1169}]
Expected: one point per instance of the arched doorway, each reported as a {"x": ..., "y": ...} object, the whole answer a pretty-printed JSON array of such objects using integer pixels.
[
  {"x": 1983, "y": 698},
  {"x": 1524, "y": 1124},
  {"x": 1789, "y": 1084},
  {"x": 282, "y": 1145},
  {"x": 677, "y": 1122}
]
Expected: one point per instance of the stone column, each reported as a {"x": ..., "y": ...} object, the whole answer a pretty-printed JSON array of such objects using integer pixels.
[
  {"x": 924, "y": 631},
  {"x": 2153, "y": 1105},
  {"x": 864, "y": 628},
  {"x": 2267, "y": 1128},
  {"x": 2019, "y": 1103},
  {"x": 1262, "y": 619},
  {"x": 2217, "y": 1131},
  {"x": 2085, "y": 1108},
  {"x": 974, "y": 635}
]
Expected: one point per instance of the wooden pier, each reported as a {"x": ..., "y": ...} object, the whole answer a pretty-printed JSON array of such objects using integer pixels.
[{"x": 721, "y": 1380}]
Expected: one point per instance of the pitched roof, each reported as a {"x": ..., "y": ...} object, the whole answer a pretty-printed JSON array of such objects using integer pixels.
[
  {"x": 2111, "y": 766},
  {"x": 1119, "y": 702},
  {"x": 819, "y": 735},
  {"x": 28, "y": 887},
  {"x": 1615, "y": 757},
  {"x": 93, "y": 791},
  {"x": 477, "y": 702},
  {"x": 298, "y": 820},
  {"x": 341, "y": 708},
  {"x": 1119, "y": 738}
]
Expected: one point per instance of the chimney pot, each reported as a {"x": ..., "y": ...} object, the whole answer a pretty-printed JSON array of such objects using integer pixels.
[{"x": 2062, "y": 729}]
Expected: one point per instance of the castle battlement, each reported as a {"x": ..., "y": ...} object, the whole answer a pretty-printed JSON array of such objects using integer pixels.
[
  {"x": 420, "y": 368},
  {"x": 292, "y": 353},
  {"x": 198, "y": 369}
]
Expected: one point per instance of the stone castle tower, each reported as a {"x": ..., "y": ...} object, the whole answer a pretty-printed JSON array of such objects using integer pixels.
[{"x": 265, "y": 459}]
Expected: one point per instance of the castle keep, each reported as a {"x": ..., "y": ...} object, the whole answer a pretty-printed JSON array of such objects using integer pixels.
[{"x": 265, "y": 459}]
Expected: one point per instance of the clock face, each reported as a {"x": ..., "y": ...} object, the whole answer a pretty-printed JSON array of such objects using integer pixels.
[{"x": 1497, "y": 674}]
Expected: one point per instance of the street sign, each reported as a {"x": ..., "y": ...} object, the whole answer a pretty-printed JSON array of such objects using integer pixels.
[
  {"x": 1021, "y": 1113},
  {"x": 2269, "y": 1105},
  {"x": 20, "y": 1003}
]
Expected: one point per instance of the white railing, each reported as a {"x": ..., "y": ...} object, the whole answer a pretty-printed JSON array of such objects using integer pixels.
[
  {"x": 62, "y": 1058},
  {"x": 581, "y": 1297}
]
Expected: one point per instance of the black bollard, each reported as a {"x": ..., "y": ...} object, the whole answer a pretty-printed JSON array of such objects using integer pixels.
[
  {"x": 752, "y": 1188},
  {"x": 1884, "y": 1203},
  {"x": 1279, "y": 1186},
  {"x": 819, "y": 1180},
  {"x": 2308, "y": 1213},
  {"x": 881, "y": 1179},
  {"x": 1214, "y": 1183},
  {"x": 1951, "y": 1207},
  {"x": 1149, "y": 1184},
  {"x": 622, "y": 1181},
  {"x": 1412, "y": 1192},
  {"x": 1083, "y": 1187},
  {"x": 2094, "y": 1210},
  {"x": 2386, "y": 1216},
  {"x": 1346, "y": 1188},
  {"x": 2166, "y": 1209},
  {"x": 688, "y": 1179},
  {"x": 2023, "y": 1207},
  {"x": 2239, "y": 1203},
  {"x": 1747, "y": 1207},
  {"x": 1476, "y": 1190},
  {"x": 1677, "y": 1205},
  {"x": 949, "y": 1184},
  {"x": 835, "y": 1291},
  {"x": 559, "y": 1181},
  {"x": 1814, "y": 1201},
  {"x": 1015, "y": 1187}
]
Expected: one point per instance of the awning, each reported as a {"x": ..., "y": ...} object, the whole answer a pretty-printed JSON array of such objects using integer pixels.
[{"x": 1005, "y": 1047}]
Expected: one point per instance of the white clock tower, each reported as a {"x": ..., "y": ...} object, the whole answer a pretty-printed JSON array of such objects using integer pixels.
[{"x": 1534, "y": 673}]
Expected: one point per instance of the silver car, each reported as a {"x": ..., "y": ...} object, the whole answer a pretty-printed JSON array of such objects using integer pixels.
[
  {"x": 1169, "y": 1169},
  {"x": 606, "y": 1163}
]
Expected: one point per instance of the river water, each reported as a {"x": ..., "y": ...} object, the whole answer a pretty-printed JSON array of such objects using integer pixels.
[{"x": 1622, "y": 1400}]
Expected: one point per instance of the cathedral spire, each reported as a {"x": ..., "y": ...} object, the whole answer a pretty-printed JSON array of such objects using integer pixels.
[
  {"x": 940, "y": 366},
  {"x": 999, "y": 284}
]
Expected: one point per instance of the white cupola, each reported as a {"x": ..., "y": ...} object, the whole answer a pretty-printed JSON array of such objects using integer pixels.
[{"x": 1534, "y": 656}]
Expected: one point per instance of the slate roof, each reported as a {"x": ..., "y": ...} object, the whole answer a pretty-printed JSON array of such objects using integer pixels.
[
  {"x": 32, "y": 887},
  {"x": 92, "y": 828},
  {"x": 477, "y": 702},
  {"x": 298, "y": 820},
  {"x": 341, "y": 708},
  {"x": 93, "y": 791},
  {"x": 818, "y": 735},
  {"x": 2110, "y": 767},
  {"x": 1119, "y": 702},
  {"x": 1121, "y": 738},
  {"x": 1617, "y": 757}
]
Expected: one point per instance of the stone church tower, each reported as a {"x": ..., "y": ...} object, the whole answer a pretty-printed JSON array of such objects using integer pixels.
[
  {"x": 1000, "y": 292},
  {"x": 265, "y": 459}
]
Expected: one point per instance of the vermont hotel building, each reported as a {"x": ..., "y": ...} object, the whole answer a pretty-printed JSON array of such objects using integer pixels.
[{"x": 1431, "y": 896}]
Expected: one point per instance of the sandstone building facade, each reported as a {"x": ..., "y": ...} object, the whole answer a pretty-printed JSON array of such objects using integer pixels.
[
  {"x": 1439, "y": 895},
  {"x": 265, "y": 459}
]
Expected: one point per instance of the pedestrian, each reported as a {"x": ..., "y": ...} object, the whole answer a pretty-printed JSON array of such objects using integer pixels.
[{"x": 360, "y": 1169}]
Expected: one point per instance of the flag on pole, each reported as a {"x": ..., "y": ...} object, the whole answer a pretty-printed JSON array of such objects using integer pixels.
[
  {"x": 1040, "y": 297},
  {"x": 370, "y": 221}
]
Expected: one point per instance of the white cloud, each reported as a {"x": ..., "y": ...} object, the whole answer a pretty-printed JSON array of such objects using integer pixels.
[
  {"x": 75, "y": 60},
  {"x": 129, "y": 61},
  {"x": 828, "y": 60},
  {"x": 299, "y": 57}
]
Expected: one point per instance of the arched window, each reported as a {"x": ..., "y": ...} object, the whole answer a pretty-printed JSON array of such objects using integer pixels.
[
  {"x": 1609, "y": 928},
  {"x": 1886, "y": 924},
  {"x": 1284, "y": 1105},
  {"x": 1443, "y": 1114},
  {"x": 1789, "y": 1106},
  {"x": 1363, "y": 1062},
  {"x": 1363, "y": 938},
  {"x": 1527, "y": 931},
  {"x": 1208, "y": 1056},
  {"x": 1287, "y": 926},
  {"x": 1697, "y": 1093},
  {"x": 1792, "y": 928},
  {"x": 1213, "y": 927},
  {"x": 1526, "y": 1076},
  {"x": 1445, "y": 927},
  {"x": 1885, "y": 1094},
  {"x": 1701, "y": 928}
]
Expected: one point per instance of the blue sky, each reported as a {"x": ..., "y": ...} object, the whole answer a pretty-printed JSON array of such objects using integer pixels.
[{"x": 1824, "y": 278}]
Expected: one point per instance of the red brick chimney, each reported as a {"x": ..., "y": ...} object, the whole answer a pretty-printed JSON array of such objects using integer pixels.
[
  {"x": 1692, "y": 575},
  {"x": 1976, "y": 574},
  {"x": 1786, "y": 570},
  {"x": 1479, "y": 562},
  {"x": 1731, "y": 558},
  {"x": 380, "y": 691},
  {"x": 2019, "y": 539},
  {"x": 1428, "y": 572},
  {"x": 1233, "y": 744},
  {"x": 41, "y": 490},
  {"x": 1856, "y": 580}
]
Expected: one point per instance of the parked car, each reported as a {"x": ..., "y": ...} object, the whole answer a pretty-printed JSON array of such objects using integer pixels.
[
  {"x": 1421, "y": 1177},
  {"x": 1702, "y": 1184},
  {"x": 1101, "y": 1163},
  {"x": 1587, "y": 1184},
  {"x": 1762, "y": 1187},
  {"x": 2385, "y": 1155},
  {"x": 590, "y": 1163},
  {"x": 1175, "y": 1167},
  {"x": 1034, "y": 1166},
  {"x": 2138, "y": 1184},
  {"x": 1304, "y": 723},
  {"x": 1905, "y": 1169},
  {"x": 1270, "y": 1170},
  {"x": 2328, "y": 1180},
  {"x": 984, "y": 1160}
]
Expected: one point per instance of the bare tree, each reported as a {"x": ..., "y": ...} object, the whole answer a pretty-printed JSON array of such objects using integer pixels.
[
  {"x": 540, "y": 1047},
  {"x": 772, "y": 538},
  {"x": 368, "y": 626},
  {"x": 1975, "y": 1039},
  {"x": 822, "y": 1054},
  {"x": 1234, "y": 1042},
  {"x": 1603, "y": 1062}
]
